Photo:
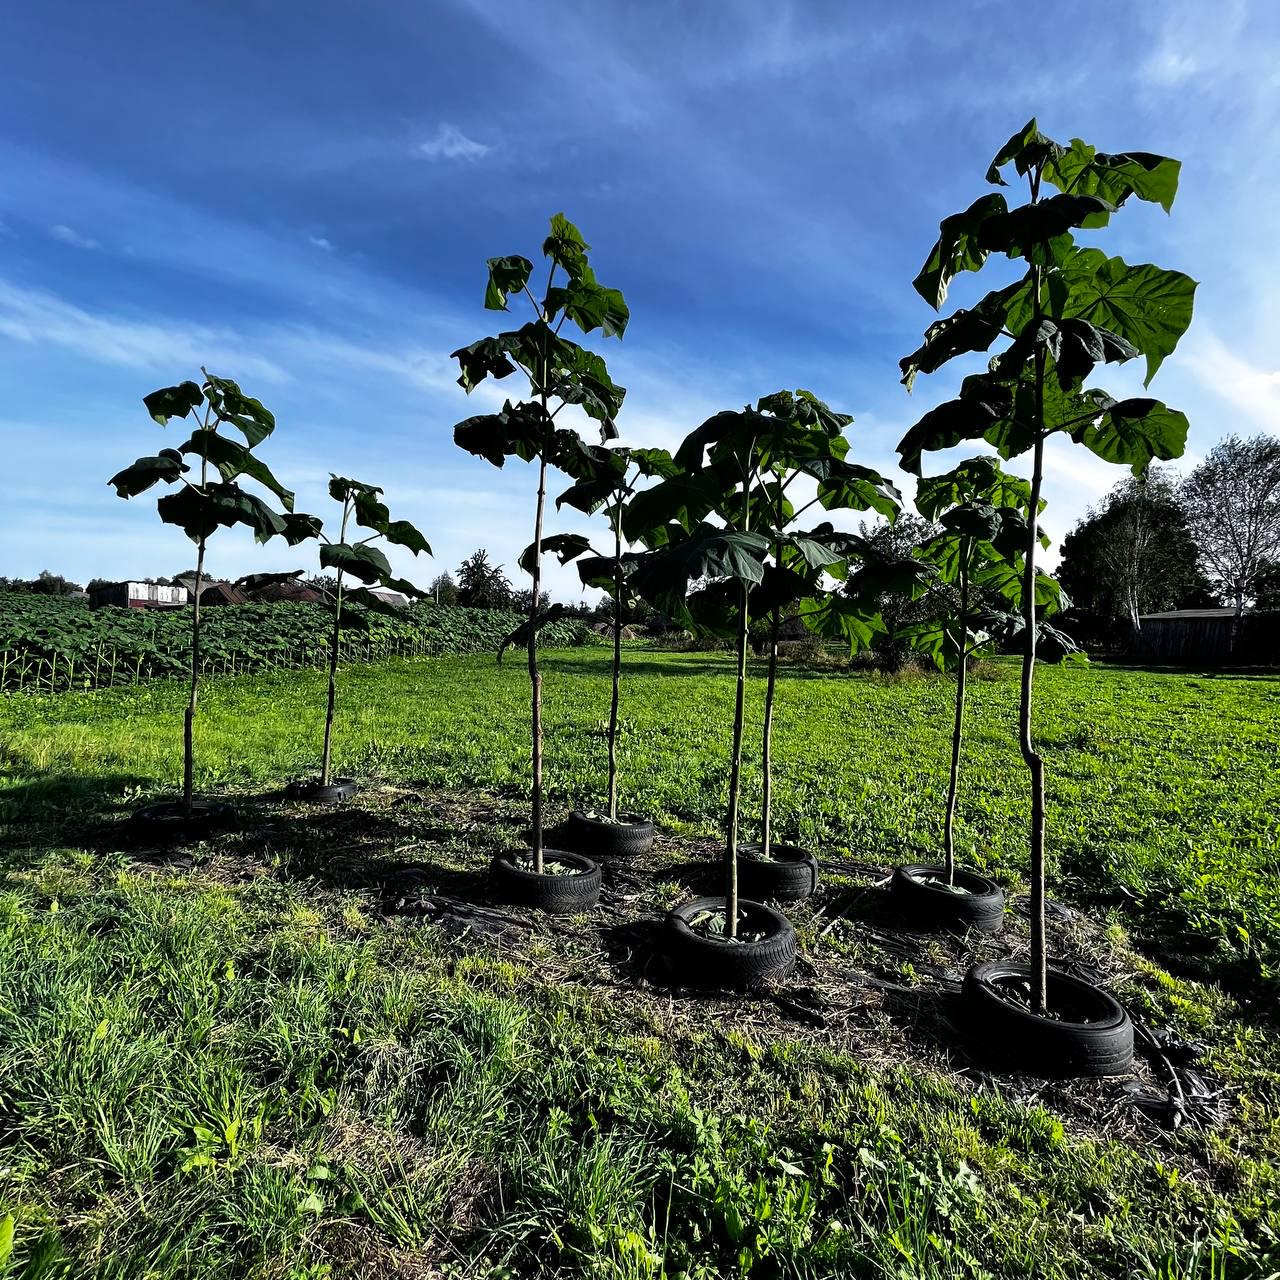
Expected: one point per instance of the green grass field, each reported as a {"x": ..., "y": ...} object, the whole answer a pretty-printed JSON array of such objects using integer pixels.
[{"x": 262, "y": 1060}]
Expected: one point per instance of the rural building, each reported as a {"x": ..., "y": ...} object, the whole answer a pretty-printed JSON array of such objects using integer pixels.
[
  {"x": 396, "y": 598},
  {"x": 137, "y": 595},
  {"x": 288, "y": 592},
  {"x": 1211, "y": 638},
  {"x": 219, "y": 593}
]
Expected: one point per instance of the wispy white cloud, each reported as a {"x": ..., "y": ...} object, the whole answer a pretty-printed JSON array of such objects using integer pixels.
[
  {"x": 39, "y": 318},
  {"x": 1251, "y": 388},
  {"x": 321, "y": 242},
  {"x": 69, "y": 235},
  {"x": 450, "y": 143}
]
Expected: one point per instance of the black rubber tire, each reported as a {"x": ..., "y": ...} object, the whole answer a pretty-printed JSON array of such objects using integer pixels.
[
  {"x": 792, "y": 876},
  {"x": 166, "y": 821},
  {"x": 597, "y": 839},
  {"x": 311, "y": 792},
  {"x": 1001, "y": 1031},
  {"x": 696, "y": 960},
  {"x": 934, "y": 909},
  {"x": 556, "y": 894}
]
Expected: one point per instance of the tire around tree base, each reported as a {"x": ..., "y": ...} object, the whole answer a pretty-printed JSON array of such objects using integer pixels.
[
  {"x": 561, "y": 895},
  {"x": 599, "y": 838},
  {"x": 698, "y": 960},
  {"x": 1092, "y": 1036},
  {"x": 935, "y": 909},
  {"x": 312, "y": 791},
  {"x": 791, "y": 876},
  {"x": 167, "y": 820}
]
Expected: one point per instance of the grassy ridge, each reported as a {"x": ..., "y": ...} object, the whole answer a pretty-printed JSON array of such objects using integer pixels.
[{"x": 1164, "y": 789}]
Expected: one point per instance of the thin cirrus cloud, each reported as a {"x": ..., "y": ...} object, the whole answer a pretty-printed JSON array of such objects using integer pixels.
[
  {"x": 450, "y": 143},
  {"x": 69, "y": 235}
]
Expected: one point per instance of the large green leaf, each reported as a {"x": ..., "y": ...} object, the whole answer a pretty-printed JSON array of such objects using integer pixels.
[
  {"x": 1026, "y": 149},
  {"x": 1135, "y": 432},
  {"x": 835, "y": 616},
  {"x": 523, "y": 430},
  {"x": 230, "y": 404},
  {"x": 299, "y": 527},
  {"x": 199, "y": 514},
  {"x": 233, "y": 460},
  {"x": 590, "y": 306},
  {"x": 957, "y": 248},
  {"x": 581, "y": 377},
  {"x": 977, "y": 521},
  {"x": 404, "y": 534},
  {"x": 600, "y": 571},
  {"x": 166, "y": 466},
  {"x": 1005, "y": 579},
  {"x": 1018, "y": 231},
  {"x": 982, "y": 402},
  {"x": 506, "y": 275},
  {"x": 1082, "y": 170},
  {"x": 975, "y": 478},
  {"x": 809, "y": 411},
  {"x": 821, "y": 548},
  {"x": 566, "y": 247},
  {"x": 877, "y": 576},
  {"x": 663, "y": 577},
  {"x": 847, "y": 486},
  {"x": 1144, "y": 304},
  {"x": 564, "y": 546},
  {"x": 256, "y": 581},
  {"x": 967, "y": 330},
  {"x": 368, "y": 564},
  {"x": 173, "y": 402},
  {"x": 484, "y": 358},
  {"x": 939, "y": 639},
  {"x": 783, "y": 585},
  {"x": 684, "y": 498},
  {"x": 341, "y": 488}
]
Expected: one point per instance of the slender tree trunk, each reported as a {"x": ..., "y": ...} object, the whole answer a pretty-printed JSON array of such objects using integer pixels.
[
  {"x": 957, "y": 732},
  {"x": 617, "y": 664},
  {"x": 1035, "y": 765},
  {"x": 334, "y": 641},
  {"x": 188, "y": 724},
  {"x": 535, "y": 676},
  {"x": 766, "y": 760},
  {"x": 735, "y": 778}
]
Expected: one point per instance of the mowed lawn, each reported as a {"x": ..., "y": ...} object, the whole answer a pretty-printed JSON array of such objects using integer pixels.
[
  {"x": 266, "y": 1058},
  {"x": 1163, "y": 787}
]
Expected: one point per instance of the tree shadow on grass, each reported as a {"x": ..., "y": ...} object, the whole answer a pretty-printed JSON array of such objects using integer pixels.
[
  {"x": 62, "y": 800},
  {"x": 703, "y": 667}
]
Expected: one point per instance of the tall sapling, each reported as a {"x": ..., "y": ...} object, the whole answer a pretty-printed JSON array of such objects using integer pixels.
[{"x": 201, "y": 506}]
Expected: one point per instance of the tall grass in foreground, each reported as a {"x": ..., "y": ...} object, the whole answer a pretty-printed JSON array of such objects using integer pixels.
[{"x": 203, "y": 1081}]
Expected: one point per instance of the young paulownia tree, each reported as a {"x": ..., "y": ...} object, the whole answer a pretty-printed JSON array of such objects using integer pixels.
[
  {"x": 368, "y": 564},
  {"x": 559, "y": 373},
  {"x": 801, "y": 564},
  {"x": 1070, "y": 309},
  {"x": 213, "y": 499},
  {"x": 606, "y": 479},
  {"x": 977, "y": 552},
  {"x": 737, "y": 467}
]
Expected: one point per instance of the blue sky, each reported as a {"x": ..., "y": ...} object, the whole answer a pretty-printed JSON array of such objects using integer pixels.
[{"x": 302, "y": 196}]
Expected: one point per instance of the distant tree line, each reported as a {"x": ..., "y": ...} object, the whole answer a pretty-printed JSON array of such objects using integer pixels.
[{"x": 1155, "y": 543}]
